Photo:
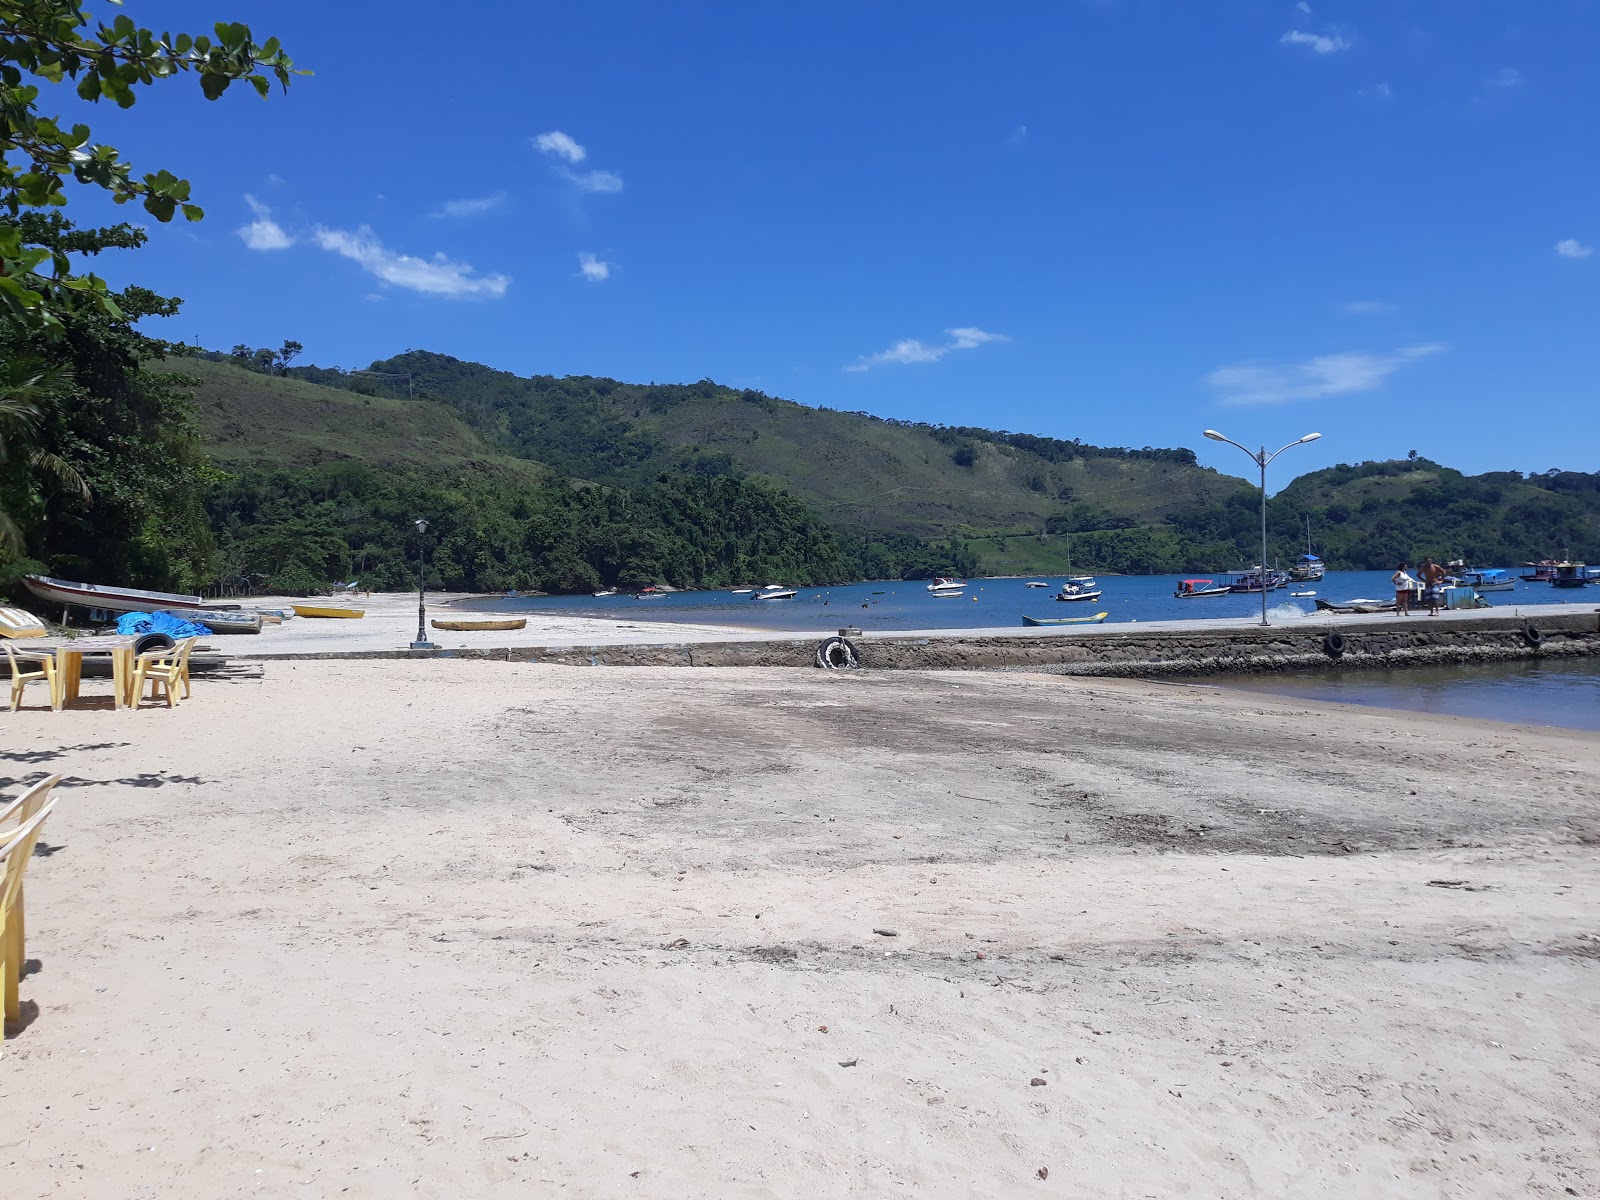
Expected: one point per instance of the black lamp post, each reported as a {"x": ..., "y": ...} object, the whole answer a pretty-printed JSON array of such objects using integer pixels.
[
  {"x": 422, "y": 642},
  {"x": 1261, "y": 460}
]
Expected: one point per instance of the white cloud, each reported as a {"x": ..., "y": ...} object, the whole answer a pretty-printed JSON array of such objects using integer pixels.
[
  {"x": 593, "y": 269},
  {"x": 1505, "y": 77},
  {"x": 263, "y": 233},
  {"x": 1378, "y": 91},
  {"x": 1330, "y": 43},
  {"x": 564, "y": 146},
  {"x": 436, "y": 276},
  {"x": 967, "y": 337},
  {"x": 594, "y": 181},
  {"x": 1314, "y": 379},
  {"x": 1304, "y": 7},
  {"x": 474, "y": 206},
  {"x": 1018, "y": 138},
  {"x": 910, "y": 350},
  {"x": 1368, "y": 308},
  {"x": 1573, "y": 248},
  {"x": 561, "y": 145}
]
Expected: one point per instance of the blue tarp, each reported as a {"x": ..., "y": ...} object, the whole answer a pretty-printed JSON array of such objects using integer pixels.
[{"x": 134, "y": 623}]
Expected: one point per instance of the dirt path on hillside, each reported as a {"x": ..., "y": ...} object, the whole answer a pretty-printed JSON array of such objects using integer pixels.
[{"x": 474, "y": 929}]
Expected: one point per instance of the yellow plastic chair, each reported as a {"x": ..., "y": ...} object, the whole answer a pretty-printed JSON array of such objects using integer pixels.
[
  {"x": 20, "y": 678},
  {"x": 166, "y": 670},
  {"x": 14, "y": 855},
  {"x": 12, "y": 817}
]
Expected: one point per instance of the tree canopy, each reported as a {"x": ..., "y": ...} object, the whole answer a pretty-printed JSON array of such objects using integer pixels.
[{"x": 47, "y": 43}]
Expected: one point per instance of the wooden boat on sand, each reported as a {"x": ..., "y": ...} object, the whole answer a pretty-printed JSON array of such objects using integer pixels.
[
  {"x": 112, "y": 599},
  {"x": 320, "y": 610},
  {"x": 1094, "y": 620},
  {"x": 467, "y": 626}
]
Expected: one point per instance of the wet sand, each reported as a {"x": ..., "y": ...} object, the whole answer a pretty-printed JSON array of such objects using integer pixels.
[{"x": 376, "y": 928}]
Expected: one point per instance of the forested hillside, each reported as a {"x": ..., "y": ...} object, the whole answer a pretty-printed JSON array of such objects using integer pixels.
[
  {"x": 856, "y": 469},
  {"x": 323, "y": 484},
  {"x": 995, "y": 502}
]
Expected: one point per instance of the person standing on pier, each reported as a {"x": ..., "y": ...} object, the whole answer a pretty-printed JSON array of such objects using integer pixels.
[
  {"x": 1432, "y": 581},
  {"x": 1403, "y": 585}
]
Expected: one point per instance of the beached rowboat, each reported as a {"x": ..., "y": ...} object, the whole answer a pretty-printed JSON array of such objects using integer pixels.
[
  {"x": 1094, "y": 620},
  {"x": 465, "y": 626},
  {"x": 318, "y": 610},
  {"x": 112, "y": 599}
]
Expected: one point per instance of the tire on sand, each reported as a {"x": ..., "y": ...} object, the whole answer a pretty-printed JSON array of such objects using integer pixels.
[{"x": 837, "y": 654}]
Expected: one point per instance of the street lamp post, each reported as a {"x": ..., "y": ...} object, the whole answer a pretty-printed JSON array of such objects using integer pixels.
[
  {"x": 1261, "y": 458},
  {"x": 422, "y": 642}
]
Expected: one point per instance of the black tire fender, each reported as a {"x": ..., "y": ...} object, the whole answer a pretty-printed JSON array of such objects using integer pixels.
[
  {"x": 837, "y": 654},
  {"x": 1334, "y": 644},
  {"x": 1532, "y": 634},
  {"x": 152, "y": 641}
]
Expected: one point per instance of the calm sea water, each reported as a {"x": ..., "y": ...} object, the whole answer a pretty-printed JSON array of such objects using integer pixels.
[
  {"x": 1557, "y": 691},
  {"x": 992, "y": 603}
]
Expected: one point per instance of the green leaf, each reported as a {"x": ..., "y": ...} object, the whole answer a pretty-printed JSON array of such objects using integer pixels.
[
  {"x": 213, "y": 84},
  {"x": 193, "y": 212}
]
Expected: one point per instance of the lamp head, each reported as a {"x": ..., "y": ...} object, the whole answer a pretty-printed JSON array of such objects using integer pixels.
[
  {"x": 422, "y": 524},
  {"x": 1310, "y": 437},
  {"x": 1214, "y": 435}
]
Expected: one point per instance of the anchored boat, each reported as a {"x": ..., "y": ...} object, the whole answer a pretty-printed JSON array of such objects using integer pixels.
[
  {"x": 322, "y": 610},
  {"x": 1188, "y": 589}
]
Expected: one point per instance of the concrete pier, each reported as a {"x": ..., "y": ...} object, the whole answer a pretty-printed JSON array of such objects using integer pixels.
[{"x": 1161, "y": 648}]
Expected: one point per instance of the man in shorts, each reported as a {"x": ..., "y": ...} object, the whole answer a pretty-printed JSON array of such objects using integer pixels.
[{"x": 1433, "y": 576}]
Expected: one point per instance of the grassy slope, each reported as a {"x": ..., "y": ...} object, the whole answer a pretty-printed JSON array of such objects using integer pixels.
[
  {"x": 864, "y": 472},
  {"x": 257, "y": 421},
  {"x": 855, "y": 470}
]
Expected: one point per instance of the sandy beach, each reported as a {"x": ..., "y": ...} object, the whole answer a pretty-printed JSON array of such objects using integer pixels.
[{"x": 451, "y": 928}]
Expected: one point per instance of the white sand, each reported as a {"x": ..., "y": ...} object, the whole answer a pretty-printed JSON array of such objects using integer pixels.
[{"x": 378, "y": 929}]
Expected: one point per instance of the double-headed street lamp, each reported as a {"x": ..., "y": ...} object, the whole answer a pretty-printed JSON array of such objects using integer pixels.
[
  {"x": 1261, "y": 458},
  {"x": 422, "y": 642}
]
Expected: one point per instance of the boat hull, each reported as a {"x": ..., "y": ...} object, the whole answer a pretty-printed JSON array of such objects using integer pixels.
[
  {"x": 1086, "y": 596},
  {"x": 112, "y": 599},
  {"x": 318, "y": 610},
  {"x": 467, "y": 626},
  {"x": 220, "y": 621},
  {"x": 1094, "y": 620}
]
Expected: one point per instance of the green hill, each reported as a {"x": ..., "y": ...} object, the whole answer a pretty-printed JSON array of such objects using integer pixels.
[
  {"x": 855, "y": 469},
  {"x": 262, "y": 422},
  {"x": 1001, "y": 502}
]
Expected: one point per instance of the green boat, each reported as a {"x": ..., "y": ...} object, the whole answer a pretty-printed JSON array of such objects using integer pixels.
[{"x": 1094, "y": 620}]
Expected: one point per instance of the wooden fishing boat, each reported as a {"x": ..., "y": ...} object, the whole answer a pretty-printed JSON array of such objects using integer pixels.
[
  {"x": 1094, "y": 620},
  {"x": 112, "y": 599},
  {"x": 320, "y": 610},
  {"x": 228, "y": 620},
  {"x": 467, "y": 626}
]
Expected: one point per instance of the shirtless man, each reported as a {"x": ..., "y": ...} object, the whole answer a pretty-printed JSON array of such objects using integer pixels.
[{"x": 1432, "y": 580}]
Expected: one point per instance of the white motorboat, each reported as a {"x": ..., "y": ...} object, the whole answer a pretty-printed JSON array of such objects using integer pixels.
[
  {"x": 1035, "y": 583},
  {"x": 606, "y": 592},
  {"x": 947, "y": 587},
  {"x": 1077, "y": 591},
  {"x": 775, "y": 591},
  {"x": 743, "y": 591}
]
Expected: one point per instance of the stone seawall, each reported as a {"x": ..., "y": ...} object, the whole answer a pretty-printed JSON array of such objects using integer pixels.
[{"x": 1307, "y": 644}]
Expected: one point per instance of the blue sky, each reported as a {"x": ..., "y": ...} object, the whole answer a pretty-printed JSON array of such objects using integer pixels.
[{"x": 1123, "y": 220}]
